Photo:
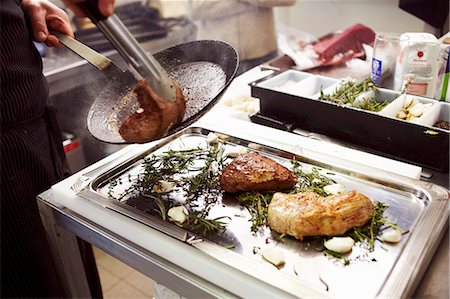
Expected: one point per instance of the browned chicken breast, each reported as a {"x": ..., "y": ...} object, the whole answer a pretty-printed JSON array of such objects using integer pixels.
[
  {"x": 309, "y": 214},
  {"x": 254, "y": 172}
]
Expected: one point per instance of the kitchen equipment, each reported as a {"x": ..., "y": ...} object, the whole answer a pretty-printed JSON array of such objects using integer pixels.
[
  {"x": 391, "y": 270},
  {"x": 373, "y": 131},
  {"x": 139, "y": 61},
  {"x": 142, "y": 21},
  {"x": 203, "y": 69},
  {"x": 103, "y": 63}
]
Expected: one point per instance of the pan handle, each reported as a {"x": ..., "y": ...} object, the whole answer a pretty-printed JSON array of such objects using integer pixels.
[{"x": 90, "y": 8}]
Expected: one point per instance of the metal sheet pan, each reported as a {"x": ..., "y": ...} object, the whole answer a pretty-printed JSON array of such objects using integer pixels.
[{"x": 390, "y": 270}]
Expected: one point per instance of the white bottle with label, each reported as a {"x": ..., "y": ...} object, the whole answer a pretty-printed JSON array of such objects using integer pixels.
[{"x": 418, "y": 64}]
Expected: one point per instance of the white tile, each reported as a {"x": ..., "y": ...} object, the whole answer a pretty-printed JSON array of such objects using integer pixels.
[
  {"x": 141, "y": 282},
  {"x": 107, "y": 279},
  {"x": 124, "y": 290}
]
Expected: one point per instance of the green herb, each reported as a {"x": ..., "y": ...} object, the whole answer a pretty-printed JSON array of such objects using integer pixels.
[
  {"x": 340, "y": 257},
  {"x": 366, "y": 234},
  {"x": 348, "y": 91},
  {"x": 203, "y": 226},
  {"x": 197, "y": 175},
  {"x": 257, "y": 204},
  {"x": 310, "y": 182}
]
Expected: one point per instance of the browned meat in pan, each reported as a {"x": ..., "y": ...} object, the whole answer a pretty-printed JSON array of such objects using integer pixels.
[
  {"x": 155, "y": 117},
  {"x": 254, "y": 172},
  {"x": 309, "y": 214}
]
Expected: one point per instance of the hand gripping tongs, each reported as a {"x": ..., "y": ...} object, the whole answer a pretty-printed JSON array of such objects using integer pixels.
[{"x": 141, "y": 63}]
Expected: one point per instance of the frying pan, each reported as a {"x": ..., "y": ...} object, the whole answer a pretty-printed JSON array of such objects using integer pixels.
[{"x": 203, "y": 69}]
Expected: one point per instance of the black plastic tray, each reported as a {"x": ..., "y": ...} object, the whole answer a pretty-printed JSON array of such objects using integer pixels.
[{"x": 372, "y": 132}]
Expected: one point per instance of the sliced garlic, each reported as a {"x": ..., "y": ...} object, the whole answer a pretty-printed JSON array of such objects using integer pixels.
[
  {"x": 178, "y": 214},
  {"x": 235, "y": 151},
  {"x": 273, "y": 256},
  {"x": 334, "y": 189},
  {"x": 391, "y": 236},
  {"x": 339, "y": 244},
  {"x": 164, "y": 186},
  {"x": 212, "y": 138}
]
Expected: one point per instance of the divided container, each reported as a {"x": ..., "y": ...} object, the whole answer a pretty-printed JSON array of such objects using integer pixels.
[{"x": 289, "y": 100}]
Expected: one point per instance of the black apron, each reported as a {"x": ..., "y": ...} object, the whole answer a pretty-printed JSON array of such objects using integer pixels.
[{"x": 32, "y": 159}]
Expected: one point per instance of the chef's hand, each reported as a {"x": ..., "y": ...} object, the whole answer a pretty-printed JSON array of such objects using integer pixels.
[
  {"x": 106, "y": 7},
  {"x": 44, "y": 15}
]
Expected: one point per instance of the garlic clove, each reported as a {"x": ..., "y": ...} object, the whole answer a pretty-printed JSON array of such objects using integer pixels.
[
  {"x": 334, "y": 189},
  {"x": 417, "y": 110},
  {"x": 212, "y": 138},
  {"x": 401, "y": 115},
  {"x": 164, "y": 186},
  {"x": 339, "y": 244},
  {"x": 391, "y": 236},
  {"x": 407, "y": 102},
  {"x": 414, "y": 103},
  {"x": 316, "y": 181},
  {"x": 178, "y": 214},
  {"x": 273, "y": 256},
  {"x": 235, "y": 151}
]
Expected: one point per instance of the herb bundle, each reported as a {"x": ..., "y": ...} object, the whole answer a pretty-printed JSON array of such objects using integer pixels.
[
  {"x": 196, "y": 173},
  {"x": 348, "y": 92}
]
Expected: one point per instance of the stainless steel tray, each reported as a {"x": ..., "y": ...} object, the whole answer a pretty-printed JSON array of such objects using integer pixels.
[{"x": 389, "y": 271}]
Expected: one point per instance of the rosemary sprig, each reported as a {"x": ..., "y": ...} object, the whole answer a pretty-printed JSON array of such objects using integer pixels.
[
  {"x": 310, "y": 182},
  {"x": 257, "y": 204},
  {"x": 197, "y": 174},
  {"x": 349, "y": 90},
  {"x": 337, "y": 256},
  {"x": 367, "y": 234},
  {"x": 203, "y": 226}
]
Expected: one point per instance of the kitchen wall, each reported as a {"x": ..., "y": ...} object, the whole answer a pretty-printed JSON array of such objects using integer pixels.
[
  {"x": 322, "y": 16},
  {"x": 319, "y": 17}
]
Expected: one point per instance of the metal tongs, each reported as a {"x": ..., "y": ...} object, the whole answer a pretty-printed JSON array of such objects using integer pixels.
[{"x": 141, "y": 63}]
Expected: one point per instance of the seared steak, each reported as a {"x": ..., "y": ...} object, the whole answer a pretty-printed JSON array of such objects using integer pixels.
[
  {"x": 254, "y": 172},
  {"x": 155, "y": 117},
  {"x": 309, "y": 214}
]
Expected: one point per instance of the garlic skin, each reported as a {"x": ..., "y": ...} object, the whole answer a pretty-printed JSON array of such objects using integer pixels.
[
  {"x": 164, "y": 186},
  {"x": 339, "y": 244},
  {"x": 391, "y": 236},
  {"x": 178, "y": 214},
  {"x": 334, "y": 189},
  {"x": 273, "y": 256}
]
